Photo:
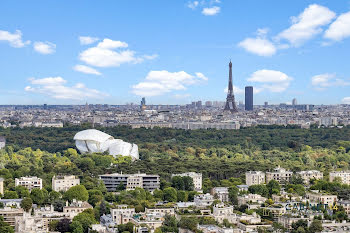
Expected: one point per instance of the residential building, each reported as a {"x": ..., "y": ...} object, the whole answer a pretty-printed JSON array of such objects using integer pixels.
[
  {"x": 279, "y": 174},
  {"x": 250, "y": 199},
  {"x": 254, "y": 177},
  {"x": 9, "y": 214},
  {"x": 150, "y": 221},
  {"x": 76, "y": 207},
  {"x": 131, "y": 181},
  {"x": 63, "y": 183},
  {"x": 220, "y": 193},
  {"x": 203, "y": 200},
  {"x": 11, "y": 203},
  {"x": 344, "y": 176},
  {"x": 29, "y": 182},
  {"x": 345, "y": 204},
  {"x": 1, "y": 185},
  {"x": 160, "y": 211},
  {"x": 323, "y": 198},
  {"x": 311, "y": 174},
  {"x": 196, "y": 177},
  {"x": 122, "y": 214}
]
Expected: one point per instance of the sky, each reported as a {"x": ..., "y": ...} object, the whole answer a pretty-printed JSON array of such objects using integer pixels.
[{"x": 173, "y": 52}]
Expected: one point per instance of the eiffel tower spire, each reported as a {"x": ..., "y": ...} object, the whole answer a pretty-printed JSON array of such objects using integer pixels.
[{"x": 230, "y": 99}]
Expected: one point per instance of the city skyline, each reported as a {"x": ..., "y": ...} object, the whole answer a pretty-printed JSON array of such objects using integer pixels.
[{"x": 173, "y": 52}]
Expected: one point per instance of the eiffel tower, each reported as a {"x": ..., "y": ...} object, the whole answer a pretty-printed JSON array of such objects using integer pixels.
[{"x": 230, "y": 99}]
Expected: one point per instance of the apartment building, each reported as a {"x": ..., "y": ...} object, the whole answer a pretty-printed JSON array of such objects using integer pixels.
[
  {"x": 76, "y": 207},
  {"x": 29, "y": 182},
  {"x": 344, "y": 176},
  {"x": 122, "y": 214},
  {"x": 9, "y": 214},
  {"x": 311, "y": 174},
  {"x": 279, "y": 174},
  {"x": 203, "y": 200},
  {"x": 131, "y": 181},
  {"x": 254, "y": 177},
  {"x": 324, "y": 198},
  {"x": 220, "y": 193},
  {"x": 196, "y": 177},
  {"x": 63, "y": 183}
]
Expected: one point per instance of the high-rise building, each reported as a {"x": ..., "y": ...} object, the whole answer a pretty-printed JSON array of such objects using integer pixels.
[
  {"x": 266, "y": 104},
  {"x": 143, "y": 103},
  {"x": 199, "y": 104},
  {"x": 294, "y": 102},
  {"x": 208, "y": 104},
  {"x": 249, "y": 98},
  {"x": 230, "y": 99}
]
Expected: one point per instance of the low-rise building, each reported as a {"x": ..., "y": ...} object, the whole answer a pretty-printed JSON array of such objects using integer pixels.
[
  {"x": 323, "y": 198},
  {"x": 76, "y": 207},
  {"x": 203, "y": 200},
  {"x": 220, "y": 193},
  {"x": 150, "y": 221},
  {"x": 251, "y": 199},
  {"x": 310, "y": 174},
  {"x": 63, "y": 183},
  {"x": 29, "y": 182},
  {"x": 254, "y": 177},
  {"x": 196, "y": 177},
  {"x": 13, "y": 203},
  {"x": 9, "y": 214},
  {"x": 122, "y": 214},
  {"x": 131, "y": 181},
  {"x": 160, "y": 211},
  {"x": 345, "y": 204},
  {"x": 344, "y": 176},
  {"x": 279, "y": 174}
]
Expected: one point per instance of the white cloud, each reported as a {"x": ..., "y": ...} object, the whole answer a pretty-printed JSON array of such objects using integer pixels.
[
  {"x": 161, "y": 82},
  {"x": 306, "y": 25},
  {"x": 340, "y": 28},
  {"x": 271, "y": 80},
  {"x": 193, "y": 5},
  {"x": 236, "y": 90},
  {"x": 55, "y": 87},
  {"x": 14, "y": 39},
  {"x": 346, "y": 100},
  {"x": 105, "y": 55},
  {"x": 323, "y": 81},
  {"x": 181, "y": 96},
  {"x": 44, "y": 47},
  {"x": 209, "y": 11},
  {"x": 259, "y": 46},
  {"x": 86, "y": 40},
  {"x": 86, "y": 69}
]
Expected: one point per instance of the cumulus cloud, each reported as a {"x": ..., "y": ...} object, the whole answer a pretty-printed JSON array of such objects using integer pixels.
[
  {"x": 340, "y": 28},
  {"x": 44, "y": 47},
  {"x": 161, "y": 82},
  {"x": 14, "y": 39},
  {"x": 346, "y": 100},
  {"x": 86, "y": 40},
  {"x": 236, "y": 90},
  {"x": 322, "y": 81},
  {"x": 193, "y": 5},
  {"x": 306, "y": 25},
  {"x": 86, "y": 69},
  {"x": 270, "y": 80},
  {"x": 209, "y": 11},
  {"x": 55, "y": 87},
  {"x": 106, "y": 55},
  {"x": 259, "y": 45}
]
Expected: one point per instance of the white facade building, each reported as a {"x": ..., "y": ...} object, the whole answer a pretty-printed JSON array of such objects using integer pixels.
[
  {"x": 254, "y": 177},
  {"x": 203, "y": 200},
  {"x": 197, "y": 179},
  {"x": 29, "y": 182},
  {"x": 63, "y": 183},
  {"x": 311, "y": 174},
  {"x": 343, "y": 175},
  {"x": 279, "y": 174},
  {"x": 122, "y": 214}
]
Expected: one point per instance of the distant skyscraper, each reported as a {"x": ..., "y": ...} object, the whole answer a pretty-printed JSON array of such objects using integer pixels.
[
  {"x": 294, "y": 102},
  {"x": 248, "y": 98},
  {"x": 266, "y": 104},
  {"x": 143, "y": 103},
  {"x": 199, "y": 104},
  {"x": 230, "y": 99},
  {"x": 208, "y": 104}
]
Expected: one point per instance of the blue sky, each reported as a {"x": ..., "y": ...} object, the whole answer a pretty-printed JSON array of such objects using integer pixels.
[{"x": 115, "y": 52}]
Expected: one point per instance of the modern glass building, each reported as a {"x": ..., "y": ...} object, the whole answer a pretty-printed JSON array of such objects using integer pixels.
[{"x": 249, "y": 98}]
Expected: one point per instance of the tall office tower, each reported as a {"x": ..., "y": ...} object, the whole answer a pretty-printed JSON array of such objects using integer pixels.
[
  {"x": 143, "y": 103},
  {"x": 249, "y": 98},
  {"x": 294, "y": 102},
  {"x": 266, "y": 104},
  {"x": 199, "y": 104},
  {"x": 230, "y": 99}
]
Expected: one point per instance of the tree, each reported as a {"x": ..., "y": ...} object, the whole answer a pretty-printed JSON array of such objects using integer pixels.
[
  {"x": 170, "y": 194},
  {"x": 26, "y": 204},
  {"x": 273, "y": 187},
  {"x": 178, "y": 183},
  {"x": 188, "y": 183},
  {"x": 170, "y": 224},
  {"x": 181, "y": 196},
  {"x": 5, "y": 227},
  {"x": 63, "y": 225},
  {"x": 10, "y": 195},
  {"x": 129, "y": 227},
  {"x": 315, "y": 226},
  {"x": 86, "y": 219},
  {"x": 77, "y": 192},
  {"x": 22, "y": 192},
  {"x": 103, "y": 208},
  {"x": 39, "y": 196},
  {"x": 189, "y": 223}
]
